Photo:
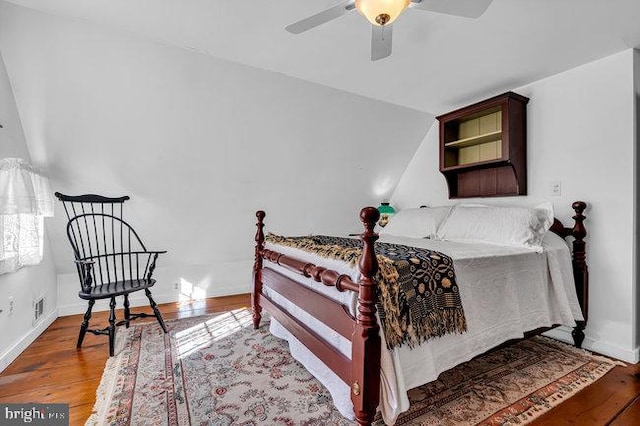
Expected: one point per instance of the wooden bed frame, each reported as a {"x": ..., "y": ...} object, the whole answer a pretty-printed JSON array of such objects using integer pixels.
[{"x": 362, "y": 371}]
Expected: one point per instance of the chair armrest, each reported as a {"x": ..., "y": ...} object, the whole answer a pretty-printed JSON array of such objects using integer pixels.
[
  {"x": 93, "y": 259},
  {"x": 156, "y": 251}
]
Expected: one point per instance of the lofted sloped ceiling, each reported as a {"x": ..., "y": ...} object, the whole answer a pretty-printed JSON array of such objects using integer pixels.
[
  {"x": 438, "y": 61},
  {"x": 199, "y": 144},
  {"x": 206, "y": 110}
]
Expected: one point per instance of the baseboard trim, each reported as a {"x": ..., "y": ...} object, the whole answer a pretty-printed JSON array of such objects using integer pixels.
[
  {"x": 564, "y": 334},
  {"x": 18, "y": 347},
  {"x": 626, "y": 355}
]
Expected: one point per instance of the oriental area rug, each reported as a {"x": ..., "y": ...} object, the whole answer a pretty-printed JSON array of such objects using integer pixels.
[{"x": 217, "y": 370}]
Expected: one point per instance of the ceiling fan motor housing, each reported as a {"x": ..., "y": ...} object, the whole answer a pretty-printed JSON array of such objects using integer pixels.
[{"x": 381, "y": 12}]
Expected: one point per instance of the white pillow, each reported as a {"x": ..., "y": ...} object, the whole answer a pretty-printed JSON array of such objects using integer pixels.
[
  {"x": 510, "y": 226},
  {"x": 416, "y": 223}
]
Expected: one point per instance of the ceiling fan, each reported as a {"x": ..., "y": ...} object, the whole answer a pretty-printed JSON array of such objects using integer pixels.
[{"x": 382, "y": 13}]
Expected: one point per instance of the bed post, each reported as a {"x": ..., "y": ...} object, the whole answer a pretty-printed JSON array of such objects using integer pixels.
[
  {"x": 580, "y": 271},
  {"x": 257, "y": 271},
  {"x": 365, "y": 345}
]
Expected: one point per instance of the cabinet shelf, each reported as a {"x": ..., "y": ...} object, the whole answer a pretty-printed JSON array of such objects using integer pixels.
[
  {"x": 478, "y": 165},
  {"x": 483, "y": 148},
  {"x": 475, "y": 140}
]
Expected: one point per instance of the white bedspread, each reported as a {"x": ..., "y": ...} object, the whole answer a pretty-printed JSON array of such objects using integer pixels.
[{"x": 505, "y": 292}]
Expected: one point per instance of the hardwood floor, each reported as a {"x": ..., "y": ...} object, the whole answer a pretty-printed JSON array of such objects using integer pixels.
[{"x": 52, "y": 370}]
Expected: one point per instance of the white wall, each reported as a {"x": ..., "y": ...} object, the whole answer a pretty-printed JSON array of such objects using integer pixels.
[
  {"x": 17, "y": 330},
  {"x": 199, "y": 144},
  {"x": 580, "y": 132}
]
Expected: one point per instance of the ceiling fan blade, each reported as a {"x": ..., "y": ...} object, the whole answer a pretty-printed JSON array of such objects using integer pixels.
[
  {"x": 381, "y": 38},
  {"x": 321, "y": 18},
  {"x": 466, "y": 8}
]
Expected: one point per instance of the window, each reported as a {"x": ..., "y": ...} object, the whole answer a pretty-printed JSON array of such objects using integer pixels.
[{"x": 25, "y": 199}]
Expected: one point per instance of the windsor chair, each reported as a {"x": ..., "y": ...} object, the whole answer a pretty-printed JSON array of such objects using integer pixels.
[{"x": 111, "y": 259}]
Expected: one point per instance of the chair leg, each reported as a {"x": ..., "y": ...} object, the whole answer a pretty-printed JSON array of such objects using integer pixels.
[
  {"x": 85, "y": 323},
  {"x": 156, "y": 311},
  {"x": 112, "y": 326},
  {"x": 127, "y": 312}
]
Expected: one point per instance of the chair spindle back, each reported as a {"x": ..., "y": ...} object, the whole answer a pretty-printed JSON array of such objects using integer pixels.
[{"x": 98, "y": 233}]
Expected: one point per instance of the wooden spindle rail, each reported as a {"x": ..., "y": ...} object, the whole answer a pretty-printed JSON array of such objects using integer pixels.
[{"x": 319, "y": 274}]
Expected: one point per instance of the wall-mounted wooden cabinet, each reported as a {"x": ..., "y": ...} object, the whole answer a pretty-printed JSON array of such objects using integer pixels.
[{"x": 483, "y": 149}]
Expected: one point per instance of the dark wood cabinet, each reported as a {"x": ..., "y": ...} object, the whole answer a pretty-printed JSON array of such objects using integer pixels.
[{"x": 483, "y": 149}]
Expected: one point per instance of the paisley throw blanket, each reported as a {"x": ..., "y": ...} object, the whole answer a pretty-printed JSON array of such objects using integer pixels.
[{"x": 418, "y": 296}]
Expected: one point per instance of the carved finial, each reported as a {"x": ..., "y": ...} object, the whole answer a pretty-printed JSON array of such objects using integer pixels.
[
  {"x": 259, "y": 233},
  {"x": 368, "y": 263},
  {"x": 579, "y": 206},
  {"x": 369, "y": 217},
  {"x": 579, "y": 232}
]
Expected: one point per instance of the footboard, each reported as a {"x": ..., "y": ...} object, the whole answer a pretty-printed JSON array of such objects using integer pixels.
[{"x": 362, "y": 371}]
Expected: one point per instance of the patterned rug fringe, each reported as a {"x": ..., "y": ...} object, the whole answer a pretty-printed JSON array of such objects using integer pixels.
[
  {"x": 571, "y": 385},
  {"x": 215, "y": 369},
  {"x": 462, "y": 394},
  {"x": 108, "y": 381}
]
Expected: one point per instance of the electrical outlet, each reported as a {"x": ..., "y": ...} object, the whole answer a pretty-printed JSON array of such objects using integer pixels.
[
  {"x": 176, "y": 286},
  {"x": 12, "y": 305},
  {"x": 556, "y": 188}
]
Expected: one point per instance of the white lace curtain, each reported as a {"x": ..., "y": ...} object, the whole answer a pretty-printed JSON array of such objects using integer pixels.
[{"x": 25, "y": 199}]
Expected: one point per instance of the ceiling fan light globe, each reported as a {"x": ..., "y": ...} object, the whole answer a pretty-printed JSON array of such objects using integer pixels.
[{"x": 381, "y": 12}]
